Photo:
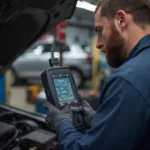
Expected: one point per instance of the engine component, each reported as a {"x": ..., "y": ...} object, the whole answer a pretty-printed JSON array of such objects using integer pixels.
[
  {"x": 29, "y": 123},
  {"x": 25, "y": 125},
  {"x": 16, "y": 148},
  {"x": 29, "y": 126},
  {"x": 8, "y": 134},
  {"x": 23, "y": 113},
  {"x": 38, "y": 139},
  {"x": 6, "y": 129},
  {"x": 5, "y": 114}
]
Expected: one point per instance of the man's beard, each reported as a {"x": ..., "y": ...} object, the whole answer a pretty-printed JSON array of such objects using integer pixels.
[{"x": 115, "y": 47}]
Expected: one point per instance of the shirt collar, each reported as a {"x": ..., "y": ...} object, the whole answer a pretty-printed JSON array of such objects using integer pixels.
[{"x": 142, "y": 44}]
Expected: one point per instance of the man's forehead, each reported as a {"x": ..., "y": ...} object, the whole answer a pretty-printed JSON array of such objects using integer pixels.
[
  {"x": 100, "y": 21},
  {"x": 98, "y": 11},
  {"x": 97, "y": 14},
  {"x": 98, "y": 18}
]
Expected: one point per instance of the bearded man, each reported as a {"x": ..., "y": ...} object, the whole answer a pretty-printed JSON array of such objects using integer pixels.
[{"x": 122, "y": 121}]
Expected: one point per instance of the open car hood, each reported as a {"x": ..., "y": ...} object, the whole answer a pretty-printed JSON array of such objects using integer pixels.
[{"x": 23, "y": 21}]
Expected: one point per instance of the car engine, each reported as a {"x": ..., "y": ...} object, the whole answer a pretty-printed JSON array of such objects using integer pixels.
[{"x": 22, "y": 130}]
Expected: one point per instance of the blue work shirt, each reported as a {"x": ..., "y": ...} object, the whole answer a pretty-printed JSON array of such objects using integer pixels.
[{"x": 122, "y": 121}]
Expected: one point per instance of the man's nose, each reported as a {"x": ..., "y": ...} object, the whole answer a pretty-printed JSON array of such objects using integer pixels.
[{"x": 99, "y": 45}]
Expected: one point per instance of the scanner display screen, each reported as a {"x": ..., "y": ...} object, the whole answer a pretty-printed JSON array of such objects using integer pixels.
[{"x": 64, "y": 90}]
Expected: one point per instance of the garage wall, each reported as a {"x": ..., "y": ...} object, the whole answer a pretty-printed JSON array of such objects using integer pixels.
[
  {"x": 81, "y": 25},
  {"x": 84, "y": 35}
]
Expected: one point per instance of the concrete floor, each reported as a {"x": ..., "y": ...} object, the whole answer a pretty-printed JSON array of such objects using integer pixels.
[{"x": 18, "y": 98}]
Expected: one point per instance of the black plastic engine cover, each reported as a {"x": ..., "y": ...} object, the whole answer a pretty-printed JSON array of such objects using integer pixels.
[
  {"x": 5, "y": 129},
  {"x": 40, "y": 139}
]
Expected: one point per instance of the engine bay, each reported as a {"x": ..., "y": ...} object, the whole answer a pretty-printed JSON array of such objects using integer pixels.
[{"x": 22, "y": 130}]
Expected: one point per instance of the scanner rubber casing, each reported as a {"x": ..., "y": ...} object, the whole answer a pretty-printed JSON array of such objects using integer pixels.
[{"x": 49, "y": 87}]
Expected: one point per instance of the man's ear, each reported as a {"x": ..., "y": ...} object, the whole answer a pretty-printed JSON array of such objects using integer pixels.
[{"x": 121, "y": 19}]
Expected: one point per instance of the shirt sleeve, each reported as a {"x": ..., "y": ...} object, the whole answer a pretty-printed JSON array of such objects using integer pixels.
[{"x": 119, "y": 123}]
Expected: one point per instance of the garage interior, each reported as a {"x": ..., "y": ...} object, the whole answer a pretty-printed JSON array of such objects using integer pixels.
[
  {"x": 22, "y": 80},
  {"x": 57, "y": 87},
  {"x": 72, "y": 42}
]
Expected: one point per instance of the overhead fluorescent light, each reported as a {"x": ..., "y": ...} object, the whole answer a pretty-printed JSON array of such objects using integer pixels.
[{"x": 86, "y": 5}]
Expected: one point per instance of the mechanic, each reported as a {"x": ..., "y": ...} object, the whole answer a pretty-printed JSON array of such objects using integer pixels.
[{"x": 122, "y": 121}]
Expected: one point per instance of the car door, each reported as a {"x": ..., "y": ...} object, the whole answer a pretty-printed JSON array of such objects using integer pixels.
[
  {"x": 45, "y": 56},
  {"x": 39, "y": 60},
  {"x": 33, "y": 62}
]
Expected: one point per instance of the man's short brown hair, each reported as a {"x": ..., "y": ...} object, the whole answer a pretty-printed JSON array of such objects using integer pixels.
[{"x": 139, "y": 9}]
